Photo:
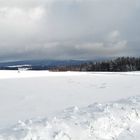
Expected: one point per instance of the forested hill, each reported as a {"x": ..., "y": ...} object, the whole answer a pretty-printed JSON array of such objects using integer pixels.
[
  {"x": 39, "y": 64},
  {"x": 119, "y": 64},
  {"x": 113, "y": 65}
]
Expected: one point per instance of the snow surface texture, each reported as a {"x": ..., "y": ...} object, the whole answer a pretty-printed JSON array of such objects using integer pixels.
[
  {"x": 112, "y": 121},
  {"x": 29, "y": 94}
]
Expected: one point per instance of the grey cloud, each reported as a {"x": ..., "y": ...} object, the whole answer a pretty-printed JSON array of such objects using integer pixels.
[
  {"x": 68, "y": 29},
  {"x": 112, "y": 45}
]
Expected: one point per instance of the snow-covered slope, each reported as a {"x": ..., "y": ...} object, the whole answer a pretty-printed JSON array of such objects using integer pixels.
[
  {"x": 112, "y": 121},
  {"x": 37, "y": 94},
  {"x": 28, "y": 94}
]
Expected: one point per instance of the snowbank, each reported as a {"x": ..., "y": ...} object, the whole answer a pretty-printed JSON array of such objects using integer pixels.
[{"x": 112, "y": 121}]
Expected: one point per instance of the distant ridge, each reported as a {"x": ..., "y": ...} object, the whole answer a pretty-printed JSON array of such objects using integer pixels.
[{"x": 39, "y": 64}]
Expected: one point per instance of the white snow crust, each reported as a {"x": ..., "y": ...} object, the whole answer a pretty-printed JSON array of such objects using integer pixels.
[
  {"x": 114, "y": 113},
  {"x": 109, "y": 121}
]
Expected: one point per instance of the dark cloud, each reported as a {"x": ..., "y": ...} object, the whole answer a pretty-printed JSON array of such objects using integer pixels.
[{"x": 68, "y": 29}]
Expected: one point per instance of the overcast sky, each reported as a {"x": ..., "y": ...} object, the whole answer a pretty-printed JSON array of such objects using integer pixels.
[{"x": 69, "y": 29}]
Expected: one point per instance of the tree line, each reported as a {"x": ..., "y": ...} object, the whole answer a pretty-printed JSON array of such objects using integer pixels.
[{"x": 120, "y": 64}]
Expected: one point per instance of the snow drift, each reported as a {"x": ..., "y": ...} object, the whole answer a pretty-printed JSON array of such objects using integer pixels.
[{"x": 109, "y": 121}]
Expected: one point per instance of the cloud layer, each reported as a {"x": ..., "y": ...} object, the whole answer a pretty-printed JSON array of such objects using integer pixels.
[{"x": 68, "y": 29}]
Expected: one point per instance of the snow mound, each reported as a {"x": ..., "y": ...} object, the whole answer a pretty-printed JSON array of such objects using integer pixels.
[{"x": 112, "y": 121}]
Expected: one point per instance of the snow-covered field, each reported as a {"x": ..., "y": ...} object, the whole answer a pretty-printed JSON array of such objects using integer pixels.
[{"x": 41, "y": 105}]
